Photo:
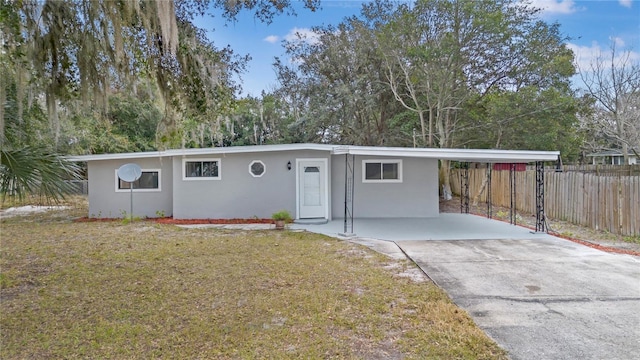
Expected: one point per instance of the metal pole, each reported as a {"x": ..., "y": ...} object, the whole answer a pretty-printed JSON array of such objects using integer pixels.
[
  {"x": 346, "y": 189},
  {"x": 461, "y": 191},
  {"x": 466, "y": 187},
  {"x": 512, "y": 193},
  {"x": 489, "y": 204},
  {"x": 353, "y": 187},
  {"x": 131, "y": 203},
  {"x": 349, "y": 185},
  {"x": 515, "y": 195},
  {"x": 540, "y": 217}
]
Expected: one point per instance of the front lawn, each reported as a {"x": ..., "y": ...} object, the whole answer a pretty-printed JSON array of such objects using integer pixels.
[{"x": 145, "y": 290}]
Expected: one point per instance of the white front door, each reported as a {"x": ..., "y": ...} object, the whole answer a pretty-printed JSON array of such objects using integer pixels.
[{"x": 312, "y": 188}]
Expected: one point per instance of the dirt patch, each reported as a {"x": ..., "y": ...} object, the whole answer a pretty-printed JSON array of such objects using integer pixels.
[{"x": 28, "y": 210}]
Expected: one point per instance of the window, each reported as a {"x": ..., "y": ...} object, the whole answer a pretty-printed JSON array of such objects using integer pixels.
[
  {"x": 149, "y": 181},
  {"x": 382, "y": 171},
  {"x": 201, "y": 169},
  {"x": 257, "y": 168}
]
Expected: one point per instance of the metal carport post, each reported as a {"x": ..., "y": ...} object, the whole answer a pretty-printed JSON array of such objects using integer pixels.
[{"x": 349, "y": 169}]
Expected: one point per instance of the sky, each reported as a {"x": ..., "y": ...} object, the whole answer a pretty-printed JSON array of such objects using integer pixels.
[{"x": 591, "y": 26}]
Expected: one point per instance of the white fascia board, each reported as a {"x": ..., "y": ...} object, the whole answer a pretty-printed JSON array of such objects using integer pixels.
[
  {"x": 203, "y": 151},
  {"x": 248, "y": 149},
  {"x": 121, "y": 156},
  {"x": 471, "y": 155}
]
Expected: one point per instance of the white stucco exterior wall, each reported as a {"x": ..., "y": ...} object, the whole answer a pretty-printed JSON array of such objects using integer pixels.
[
  {"x": 237, "y": 194},
  {"x": 106, "y": 202},
  {"x": 415, "y": 196}
]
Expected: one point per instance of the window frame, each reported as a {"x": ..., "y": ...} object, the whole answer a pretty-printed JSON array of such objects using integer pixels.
[
  {"x": 158, "y": 189},
  {"x": 381, "y": 162},
  {"x": 264, "y": 168},
  {"x": 200, "y": 178}
]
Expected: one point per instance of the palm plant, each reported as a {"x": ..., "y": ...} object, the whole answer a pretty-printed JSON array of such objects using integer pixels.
[{"x": 35, "y": 171}]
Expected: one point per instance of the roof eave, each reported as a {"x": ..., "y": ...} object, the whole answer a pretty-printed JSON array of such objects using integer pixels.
[{"x": 469, "y": 155}]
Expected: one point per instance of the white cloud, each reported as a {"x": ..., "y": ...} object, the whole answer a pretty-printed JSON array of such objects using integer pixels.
[
  {"x": 555, "y": 6},
  {"x": 618, "y": 41},
  {"x": 625, "y": 3},
  {"x": 271, "y": 39},
  {"x": 302, "y": 35},
  {"x": 585, "y": 56}
]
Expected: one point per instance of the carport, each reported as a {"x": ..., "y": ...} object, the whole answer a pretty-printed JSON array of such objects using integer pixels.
[{"x": 465, "y": 157}]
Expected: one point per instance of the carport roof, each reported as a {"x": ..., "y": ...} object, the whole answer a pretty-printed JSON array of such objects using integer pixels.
[{"x": 469, "y": 155}]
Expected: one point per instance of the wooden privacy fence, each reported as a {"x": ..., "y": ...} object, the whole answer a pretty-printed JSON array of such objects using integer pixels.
[
  {"x": 610, "y": 203},
  {"x": 608, "y": 170}
]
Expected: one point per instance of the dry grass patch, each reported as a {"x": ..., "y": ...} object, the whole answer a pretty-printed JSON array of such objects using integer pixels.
[{"x": 109, "y": 290}]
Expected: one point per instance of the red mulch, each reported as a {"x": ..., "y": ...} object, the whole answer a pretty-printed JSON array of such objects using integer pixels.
[{"x": 170, "y": 220}]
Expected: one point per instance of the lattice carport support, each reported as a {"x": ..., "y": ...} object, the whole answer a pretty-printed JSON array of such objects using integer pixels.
[
  {"x": 464, "y": 189},
  {"x": 512, "y": 194},
  {"x": 349, "y": 169},
  {"x": 489, "y": 204},
  {"x": 540, "y": 218}
]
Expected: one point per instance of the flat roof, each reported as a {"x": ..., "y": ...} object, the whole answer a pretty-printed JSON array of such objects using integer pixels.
[{"x": 467, "y": 155}]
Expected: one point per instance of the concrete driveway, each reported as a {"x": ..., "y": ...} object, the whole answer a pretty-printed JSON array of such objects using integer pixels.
[
  {"x": 538, "y": 296},
  {"x": 541, "y": 298}
]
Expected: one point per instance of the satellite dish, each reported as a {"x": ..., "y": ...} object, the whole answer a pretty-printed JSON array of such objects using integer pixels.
[{"x": 129, "y": 172}]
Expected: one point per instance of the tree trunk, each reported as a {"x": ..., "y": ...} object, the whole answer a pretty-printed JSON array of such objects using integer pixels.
[
  {"x": 446, "y": 179},
  {"x": 430, "y": 128},
  {"x": 424, "y": 130},
  {"x": 54, "y": 121},
  {"x": 3, "y": 96},
  {"x": 485, "y": 181}
]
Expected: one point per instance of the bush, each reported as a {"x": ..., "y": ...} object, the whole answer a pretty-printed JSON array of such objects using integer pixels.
[{"x": 282, "y": 215}]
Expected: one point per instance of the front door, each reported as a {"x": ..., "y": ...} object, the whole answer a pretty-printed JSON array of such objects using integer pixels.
[{"x": 312, "y": 188}]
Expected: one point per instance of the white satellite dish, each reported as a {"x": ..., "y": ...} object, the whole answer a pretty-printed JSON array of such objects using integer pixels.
[{"x": 130, "y": 173}]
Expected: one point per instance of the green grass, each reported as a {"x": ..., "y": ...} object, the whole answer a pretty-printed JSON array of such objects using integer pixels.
[
  {"x": 142, "y": 290},
  {"x": 631, "y": 239}
]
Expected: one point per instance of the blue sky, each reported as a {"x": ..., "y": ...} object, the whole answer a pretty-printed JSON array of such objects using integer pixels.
[{"x": 592, "y": 26}]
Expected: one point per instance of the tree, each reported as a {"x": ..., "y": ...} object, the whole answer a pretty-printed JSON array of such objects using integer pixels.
[
  {"x": 76, "y": 55},
  {"x": 613, "y": 82},
  {"x": 530, "y": 118},
  {"x": 35, "y": 170},
  {"x": 85, "y": 51},
  {"x": 340, "y": 76},
  {"x": 444, "y": 57}
]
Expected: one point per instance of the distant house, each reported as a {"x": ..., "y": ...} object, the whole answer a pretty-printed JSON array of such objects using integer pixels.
[
  {"x": 612, "y": 157},
  {"x": 312, "y": 181}
]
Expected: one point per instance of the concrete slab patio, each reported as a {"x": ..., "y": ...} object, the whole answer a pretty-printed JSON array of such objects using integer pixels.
[
  {"x": 447, "y": 226},
  {"x": 538, "y": 296}
]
